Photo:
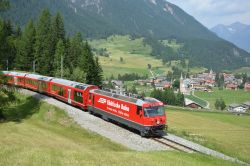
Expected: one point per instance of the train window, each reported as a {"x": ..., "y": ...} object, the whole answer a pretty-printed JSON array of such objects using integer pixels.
[
  {"x": 54, "y": 87},
  {"x": 44, "y": 85},
  {"x": 58, "y": 89},
  {"x": 139, "y": 108},
  {"x": 10, "y": 78},
  {"x": 60, "y": 92},
  {"x": 93, "y": 99},
  {"x": 20, "y": 79},
  {"x": 78, "y": 96},
  {"x": 35, "y": 83}
]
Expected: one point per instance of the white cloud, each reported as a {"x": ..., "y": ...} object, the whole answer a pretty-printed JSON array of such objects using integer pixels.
[{"x": 213, "y": 12}]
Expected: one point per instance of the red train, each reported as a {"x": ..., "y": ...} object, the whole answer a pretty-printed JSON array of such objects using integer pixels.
[{"x": 145, "y": 115}]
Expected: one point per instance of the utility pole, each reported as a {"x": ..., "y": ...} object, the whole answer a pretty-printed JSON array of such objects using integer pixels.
[
  {"x": 61, "y": 66},
  {"x": 34, "y": 66},
  {"x": 7, "y": 61}
]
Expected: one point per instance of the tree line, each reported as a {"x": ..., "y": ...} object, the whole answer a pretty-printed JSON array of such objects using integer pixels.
[
  {"x": 168, "y": 97},
  {"x": 131, "y": 77},
  {"x": 6, "y": 92},
  {"x": 44, "y": 47}
]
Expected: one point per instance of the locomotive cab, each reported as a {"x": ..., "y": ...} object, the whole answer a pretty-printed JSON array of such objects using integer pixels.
[{"x": 154, "y": 119}]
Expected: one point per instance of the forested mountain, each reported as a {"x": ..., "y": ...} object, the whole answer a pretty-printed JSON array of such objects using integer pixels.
[
  {"x": 153, "y": 19},
  {"x": 237, "y": 33},
  {"x": 98, "y": 18}
]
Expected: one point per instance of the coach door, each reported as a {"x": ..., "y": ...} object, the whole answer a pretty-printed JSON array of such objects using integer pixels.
[
  {"x": 40, "y": 88},
  {"x": 69, "y": 96},
  {"x": 139, "y": 113},
  {"x": 15, "y": 80}
]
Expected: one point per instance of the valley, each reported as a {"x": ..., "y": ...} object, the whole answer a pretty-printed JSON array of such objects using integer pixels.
[{"x": 136, "y": 57}]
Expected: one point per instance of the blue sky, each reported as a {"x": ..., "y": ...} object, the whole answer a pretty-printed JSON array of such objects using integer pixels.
[{"x": 213, "y": 12}]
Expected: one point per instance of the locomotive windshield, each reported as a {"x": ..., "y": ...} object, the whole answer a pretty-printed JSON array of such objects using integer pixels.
[{"x": 154, "y": 111}]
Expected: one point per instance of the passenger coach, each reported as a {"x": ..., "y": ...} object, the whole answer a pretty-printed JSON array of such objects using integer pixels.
[{"x": 74, "y": 93}]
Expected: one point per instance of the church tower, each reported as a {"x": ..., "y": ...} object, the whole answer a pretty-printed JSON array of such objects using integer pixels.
[{"x": 182, "y": 86}]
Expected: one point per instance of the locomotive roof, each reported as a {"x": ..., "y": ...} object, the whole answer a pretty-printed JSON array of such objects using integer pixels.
[
  {"x": 150, "y": 100},
  {"x": 5, "y": 72},
  {"x": 70, "y": 83},
  {"x": 16, "y": 73},
  {"x": 39, "y": 77},
  {"x": 137, "y": 101},
  {"x": 121, "y": 97}
]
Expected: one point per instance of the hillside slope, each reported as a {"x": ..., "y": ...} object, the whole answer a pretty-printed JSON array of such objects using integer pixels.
[
  {"x": 37, "y": 133},
  {"x": 96, "y": 18},
  {"x": 158, "y": 19}
]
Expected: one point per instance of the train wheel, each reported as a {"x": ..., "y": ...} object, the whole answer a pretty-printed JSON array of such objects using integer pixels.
[
  {"x": 105, "y": 118},
  {"x": 142, "y": 134}
]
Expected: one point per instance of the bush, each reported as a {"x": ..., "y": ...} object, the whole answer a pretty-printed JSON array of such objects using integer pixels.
[{"x": 220, "y": 104}]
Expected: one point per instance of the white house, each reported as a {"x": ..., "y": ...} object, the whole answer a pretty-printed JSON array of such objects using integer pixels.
[{"x": 236, "y": 108}]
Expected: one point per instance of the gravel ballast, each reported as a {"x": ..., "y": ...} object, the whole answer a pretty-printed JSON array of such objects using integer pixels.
[{"x": 109, "y": 130}]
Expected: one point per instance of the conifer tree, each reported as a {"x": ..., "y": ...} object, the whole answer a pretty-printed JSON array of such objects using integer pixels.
[
  {"x": 59, "y": 58},
  {"x": 7, "y": 44},
  {"x": 67, "y": 53},
  {"x": 43, "y": 47},
  {"x": 25, "y": 48},
  {"x": 57, "y": 33},
  {"x": 98, "y": 73},
  {"x": 4, "y": 5},
  {"x": 58, "y": 28},
  {"x": 87, "y": 63},
  {"x": 75, "y": 53},
  {"x": 6, "y": 94},
  {"x": 180, "y": 99}
]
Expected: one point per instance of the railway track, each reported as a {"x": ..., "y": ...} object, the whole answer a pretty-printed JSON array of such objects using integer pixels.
[{"x": 174, "y": 145}]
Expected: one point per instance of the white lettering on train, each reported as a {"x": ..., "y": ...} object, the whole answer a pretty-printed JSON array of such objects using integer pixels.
[{"x": 114, "y": 104}]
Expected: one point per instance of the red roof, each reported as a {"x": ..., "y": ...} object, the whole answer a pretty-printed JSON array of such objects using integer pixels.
[
  {"x": 231, "y": 86},
  {"x": 247, "y": 86}
]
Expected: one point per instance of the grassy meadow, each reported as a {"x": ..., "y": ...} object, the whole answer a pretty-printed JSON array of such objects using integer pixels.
[
  {"x": 136, "y": 56},
  {"x": 225, "y": 132},
  {"x": 35, "y": 133},
  {"x": 243, "y": 70},
  {"x": 228, "y": 96}
]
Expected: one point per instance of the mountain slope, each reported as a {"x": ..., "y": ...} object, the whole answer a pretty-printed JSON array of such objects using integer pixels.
[
  {"x": 145, "y": 17},
  {"x": 156, "y": 19},
  {"x": 237, "y": 33}
]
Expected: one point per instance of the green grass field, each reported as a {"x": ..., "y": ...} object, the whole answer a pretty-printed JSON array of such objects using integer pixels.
[
  {"x": 140, "y": 88},
  {"x": 228, "y": 96},
  {"x": 243, "y": 70},
  {"x": 36, "y": 133},
  {"x": 227, "y": 133},
  {"x": 136, "y": 57}
]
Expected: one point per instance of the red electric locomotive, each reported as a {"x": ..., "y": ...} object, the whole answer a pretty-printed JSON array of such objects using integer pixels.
[{"x": 146, "y": 115}]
